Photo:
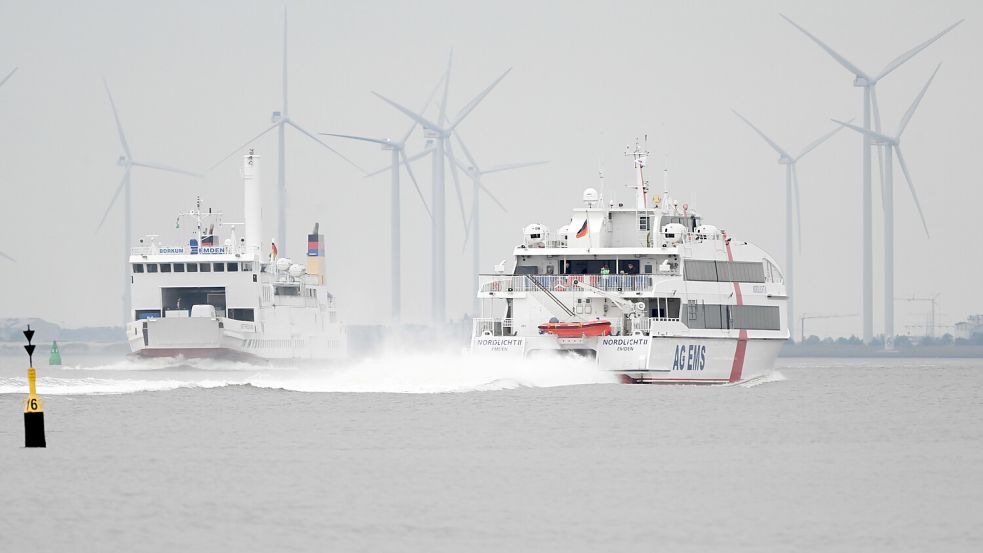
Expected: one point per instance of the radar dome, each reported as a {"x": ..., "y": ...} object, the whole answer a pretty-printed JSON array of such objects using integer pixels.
[
  {"x": 534, "y": 235},
  {"x": 283, "y": 264},
  {"x": 563, "y": 233},
  {"x": 591, "y": 196},
  {"x": 672, "y": 234},
  {"x": 296, "y": 270},
  {"x": 707, "y": 232}
]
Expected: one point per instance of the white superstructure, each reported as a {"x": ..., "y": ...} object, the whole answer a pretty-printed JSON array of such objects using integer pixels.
[
  {"x": 686, "y": 303},
  {"x": 215, "y": 296}
]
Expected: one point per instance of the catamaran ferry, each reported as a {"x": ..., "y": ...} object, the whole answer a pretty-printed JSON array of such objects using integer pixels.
[
  {"x": 648, "y": 290},
  {"x": 225, "y": 298}
]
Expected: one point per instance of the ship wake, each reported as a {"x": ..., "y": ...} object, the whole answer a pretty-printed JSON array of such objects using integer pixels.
[{"x": 412, "y": 373}]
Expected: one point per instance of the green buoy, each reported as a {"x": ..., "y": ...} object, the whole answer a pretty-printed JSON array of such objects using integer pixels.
[{"x": 55, "y": 358}]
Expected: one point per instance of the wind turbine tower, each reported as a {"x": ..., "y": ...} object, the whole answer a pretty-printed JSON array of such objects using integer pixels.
[
  {"x": 473, "y": 230},
  {"x": 868, "y": 83},
  {"x": 397, "y": 151},
  {"x": 439, "y": 133},
  {"x": 5, "y": 79},
  {"x": 281, "y": 120},
  {"x": 127, "y": 162},
  {"x": 892, "y": 145},
  {"x": 791, "y": 191}
]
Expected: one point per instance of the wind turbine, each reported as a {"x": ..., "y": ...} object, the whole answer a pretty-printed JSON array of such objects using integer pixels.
[
  {"x": 439, "y": 133},
  {"x": 280, "y": 122},
  {"x": 127, "y": 162},
  {"x": 5, "y": 79},
  {"x": 791, "y": 187},
  {"x": 397, "y": 150},
  {"x": 869, "y": 83},
  {"x": 892, "y": 145},
  {"x": 9, "y": 75},
  {"x": 475, "y": 172}
]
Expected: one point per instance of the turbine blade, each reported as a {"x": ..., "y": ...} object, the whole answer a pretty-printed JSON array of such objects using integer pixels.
[
  {"x": 911, "y": 187},
  {"x": 426, "y": 105},
  {"x": 877, "y": 127},
  {"x": 5, "y": 79},
  {"x": 122, "y": 183},
  {"x": 243, "y": 145},
  {"x": 882, "y": 169},
  {"x": 911, "y": 53},
  {"x": 815, "y": 143},
  {"x": 467, "y": 153},
  {"x": 416, "y": 185},
  {"x": 167, "y": 168},
  {"x": 382, "y": 141},
  {"x": 873, "y": 134},
  {"x": 457, "y": 185},
  {"x": 7, "y": 257},
  {"x": 914, "y": 105},
  {"x": 284, "y": 62},
  {"x": 770, "y": 142},
  {"x": 119, "y": 126},
  {"x": 798, "y": 209},
  {"x": 319, "y": 141},
  {"x": 484, "y": 189},
  {"x": 511, "y": 166},
  {"x": 477, "y": 100},
  {"x": 414, "y": 116},
  {"x": 836, "y": 56},
  {"x": 875, "y": 109},
  {"x": 407, "y": 161},
  {"x": 442, "y": 116}
]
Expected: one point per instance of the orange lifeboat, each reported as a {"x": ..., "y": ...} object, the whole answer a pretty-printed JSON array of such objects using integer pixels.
[{"x": 577, "y": 329}]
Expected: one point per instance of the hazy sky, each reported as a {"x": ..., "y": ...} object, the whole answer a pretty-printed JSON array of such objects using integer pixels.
[{"x": 193, "y": 79}]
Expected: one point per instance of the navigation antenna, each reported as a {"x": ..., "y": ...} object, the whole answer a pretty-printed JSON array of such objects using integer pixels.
[
  {"x": 600, "y": 175},
  {"x": 665, "y": 184}
]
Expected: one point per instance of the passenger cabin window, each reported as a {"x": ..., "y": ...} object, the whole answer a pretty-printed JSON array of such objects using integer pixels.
[
  {"x": 247, "y": 266},
  {"x": 165, "y": 267},
  {"x": 179, "y": 267},
  {"x": 192, "y": 267},
  {"x": 233, "y": 267},
  {"x": 241, "y": 314},
  {"x": 138, "y": 267},
  {"x": 142, "y": 314},
  {"x": 220, "y": 267},
  {"x": 723, "y": 271},
  {"x": 206, "y": 267},
  {"x": 151, "y": 267}
]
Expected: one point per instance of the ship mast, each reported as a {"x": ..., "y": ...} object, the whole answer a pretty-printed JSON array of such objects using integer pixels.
[
  {"x": 252, "y": 203},
  {"x": 639, "y": 158}
]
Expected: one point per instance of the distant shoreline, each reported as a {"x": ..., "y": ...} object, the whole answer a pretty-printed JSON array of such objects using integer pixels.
[{"x": 967, "y": 351}]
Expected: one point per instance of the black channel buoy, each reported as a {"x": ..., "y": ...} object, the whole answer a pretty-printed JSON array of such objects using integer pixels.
[{"x": 33, "y": 406}]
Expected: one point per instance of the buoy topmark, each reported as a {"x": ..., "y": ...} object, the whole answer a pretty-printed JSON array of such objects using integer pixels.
[{"x": 33, "y": 406}]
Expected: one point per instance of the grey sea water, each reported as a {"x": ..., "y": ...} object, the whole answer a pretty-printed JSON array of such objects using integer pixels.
[{"x": 844, "y": 455}]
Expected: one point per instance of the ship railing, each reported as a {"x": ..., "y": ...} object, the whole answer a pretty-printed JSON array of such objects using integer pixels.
[
  {"x": 488, "y": 326},
  {"x": 497, "y": 284}
]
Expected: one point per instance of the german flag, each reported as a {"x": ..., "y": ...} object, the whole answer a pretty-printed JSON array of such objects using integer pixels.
[{"x": 583, "y": 230}]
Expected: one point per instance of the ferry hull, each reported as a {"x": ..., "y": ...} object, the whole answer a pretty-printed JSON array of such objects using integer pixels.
[
  {"x": 653, "y": 359},
  {"x": 220, "y": 338}
]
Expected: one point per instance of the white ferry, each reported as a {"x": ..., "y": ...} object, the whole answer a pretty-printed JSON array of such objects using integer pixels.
[
  {"x": 211, "y": 297},
  {"x": 648, "y": 290}
]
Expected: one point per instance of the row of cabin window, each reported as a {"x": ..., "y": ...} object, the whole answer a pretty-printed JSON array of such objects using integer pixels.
[{"x": 216, "y": 267}]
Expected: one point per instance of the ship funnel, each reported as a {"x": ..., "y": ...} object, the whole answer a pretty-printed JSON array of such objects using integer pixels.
[
  {"x": 315, "y": 253},
  {"x": 252, "y": 204}
]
